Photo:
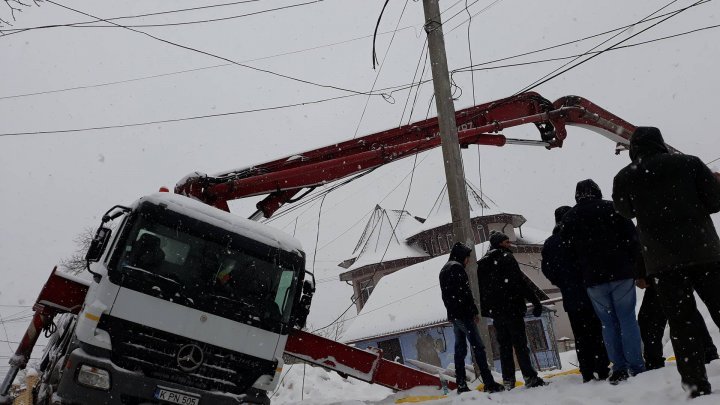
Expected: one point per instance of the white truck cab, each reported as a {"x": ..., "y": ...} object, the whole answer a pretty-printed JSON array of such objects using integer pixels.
[{"x": 188, "y": 305}]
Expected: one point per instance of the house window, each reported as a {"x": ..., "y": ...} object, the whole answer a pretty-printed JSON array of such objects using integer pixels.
[
  {"x": 481, "y": 233},
  {"x": 366, "y": 288},
  {"x": 391, "y": 350},
  {"x": 433, "y": 248},
  {"x": 442, "y": 242},
  {"x": 449, "y": 240},
  {"x": 536, "y": 335}
]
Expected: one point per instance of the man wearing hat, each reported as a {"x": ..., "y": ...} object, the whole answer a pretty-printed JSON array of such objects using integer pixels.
[
  {"x": 462, "y": 312},
  {"x": 503, "y": 292}
]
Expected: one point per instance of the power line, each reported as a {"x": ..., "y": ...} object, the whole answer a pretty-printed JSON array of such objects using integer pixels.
[
  {"x": 18, "y": 30},
  {"x": 209, "y": 20},
  {"x": 196, "y": 117},
  {"x": 537, "y": 61},
  {"x": 374, "y": 56},
  {"x": 624, "y": 27},
  {"x": 553, "y": 75},
  {"x": 284, "y": 76},
  {"x": 200, "y": 68}
]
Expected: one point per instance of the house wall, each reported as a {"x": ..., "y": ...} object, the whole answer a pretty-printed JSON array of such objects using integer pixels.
[
  {"x": 562, "y": 321},
  {"x": 443, "y": 340}
]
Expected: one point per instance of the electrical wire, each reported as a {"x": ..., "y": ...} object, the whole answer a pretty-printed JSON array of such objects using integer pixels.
[
  {"x": 469, "y": 44},
  {"x": 17, "y": 30},
  {"x": 624, "y": 27},
  {"x": 557, "y": 72},
  {"x": 538, "y": 61},
  {"x": 200, "y": 68},
  {"x": 284, "y": 76},
  {"x": 171, "y": 120},
  {"x": 353, "y": 301},
  {"x": 377, "y": 76},
  {"x": 209, "y": 20}
]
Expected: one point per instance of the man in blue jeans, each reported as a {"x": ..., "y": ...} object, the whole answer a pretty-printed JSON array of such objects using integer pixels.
[
  {"x": 606, "y": 248},
  {"x": 462, "y": 312}
]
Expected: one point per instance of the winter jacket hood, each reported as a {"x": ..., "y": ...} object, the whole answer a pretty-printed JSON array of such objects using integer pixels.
[
  {"x": 459, "y": 252},
  {"x": 646, "y": 141},
  {"x": 587, "y": 190}
]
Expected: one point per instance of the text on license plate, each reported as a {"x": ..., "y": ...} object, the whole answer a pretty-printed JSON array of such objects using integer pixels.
[{"x": 176, "y": 397}]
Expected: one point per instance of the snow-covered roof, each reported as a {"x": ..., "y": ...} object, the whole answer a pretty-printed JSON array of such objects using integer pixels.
[
  {"x": 407, "y": 299},
  {"x": 225, "y": 220},
  {"x": 440, "y": 213},
  {"x": 384, "y": 238},
  {"x": 532, "y": 236},
  {"x": 441, "y": 218}
]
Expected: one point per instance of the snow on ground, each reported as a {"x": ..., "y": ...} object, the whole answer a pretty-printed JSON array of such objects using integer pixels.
[{"x": 656, "y": 387}]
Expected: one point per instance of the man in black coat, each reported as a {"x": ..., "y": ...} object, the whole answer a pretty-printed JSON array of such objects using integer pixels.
[
  {"x": 672, "y": 197},
  {"x": 652, "y": 321},
  {"x": 606, "y": 246},
  {"x": 503, "y": 291},
  {"x": 462, "y": 312},
  {"x": 559, "y": 265}
]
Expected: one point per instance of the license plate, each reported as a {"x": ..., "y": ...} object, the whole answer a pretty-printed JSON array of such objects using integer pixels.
[{"x": 175, "y": 397}]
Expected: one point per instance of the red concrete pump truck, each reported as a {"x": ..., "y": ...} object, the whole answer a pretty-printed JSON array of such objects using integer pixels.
[{"x": 189, "y": 304}]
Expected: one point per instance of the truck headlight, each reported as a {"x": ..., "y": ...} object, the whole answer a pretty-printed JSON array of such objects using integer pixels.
[{"x": 94, "y": 377}]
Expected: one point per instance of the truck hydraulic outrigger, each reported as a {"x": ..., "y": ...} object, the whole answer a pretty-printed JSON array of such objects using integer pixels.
[{"x": 283, "y": 179}]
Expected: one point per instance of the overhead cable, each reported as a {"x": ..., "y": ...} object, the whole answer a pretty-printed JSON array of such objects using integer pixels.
[
  {"x": 214, "y": 55},
  {"x": 89, "y": 86},
  {"x": 555, "y": 73}
]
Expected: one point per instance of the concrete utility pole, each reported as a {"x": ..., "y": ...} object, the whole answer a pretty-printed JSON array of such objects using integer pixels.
[{"x": 454, "y": 171}]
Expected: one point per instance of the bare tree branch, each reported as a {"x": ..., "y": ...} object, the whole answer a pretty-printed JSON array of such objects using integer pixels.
[
  {"x": 15, "y": 6},
  {"x": 75, "y": 264}
]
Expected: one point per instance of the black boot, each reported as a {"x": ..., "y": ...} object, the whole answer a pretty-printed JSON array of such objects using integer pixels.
[
  {"x": 493, "y": 387},
  {"x": 535, "y": 381},
  {"x": 618, "y": 376}
]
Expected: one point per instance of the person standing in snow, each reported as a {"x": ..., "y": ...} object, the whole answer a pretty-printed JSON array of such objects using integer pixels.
[
  {"x": 672, "y": 197},
  {"x": 462, "y": 312},
  {"x": 503, "y": 291},
  {"x": 652, "y": 321},
  {"x": 606, "y": 246},
  {"x": 559, "y": 265}
]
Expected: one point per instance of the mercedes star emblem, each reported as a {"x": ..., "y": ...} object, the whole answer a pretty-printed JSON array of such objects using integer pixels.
[{"x": 189, "y": 357}]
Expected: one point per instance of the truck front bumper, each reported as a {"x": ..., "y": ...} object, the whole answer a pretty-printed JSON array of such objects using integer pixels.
[{"x": 133, "y": 388}]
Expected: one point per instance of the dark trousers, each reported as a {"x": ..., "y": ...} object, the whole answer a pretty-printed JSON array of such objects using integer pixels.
[
  {"x": 675, "y": 292},
  {"x": 510, "y": 333},
  {"x": 589, "y": 344},
  {"x": 652, "y": 322},
  {"x": 465, "y": 330}
]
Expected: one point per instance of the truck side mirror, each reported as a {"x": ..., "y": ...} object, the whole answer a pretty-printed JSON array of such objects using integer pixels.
[{"x": 97, "y": 245}]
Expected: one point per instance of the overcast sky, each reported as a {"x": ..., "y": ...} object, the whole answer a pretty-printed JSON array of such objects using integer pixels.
[{"x": 56, "y": 184}]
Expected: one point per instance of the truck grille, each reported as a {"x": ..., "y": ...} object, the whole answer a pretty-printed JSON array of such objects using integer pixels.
[{"x": 154, "y": 353}]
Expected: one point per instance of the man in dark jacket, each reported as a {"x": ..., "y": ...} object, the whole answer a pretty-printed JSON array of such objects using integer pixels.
[
  {"x": 462, "y": 312},
  {"x": 672, "y": 197},
  {"x": 652, "y": 321},
  {"x": 559, "y": 265},
  {"x": 605, "y": 245},
  {"x": 503, "y": 291}
]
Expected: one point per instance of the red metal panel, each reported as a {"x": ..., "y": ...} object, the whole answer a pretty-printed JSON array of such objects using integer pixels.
[
  {"x": 358, "y": 363},
  {"x": 61, "y": 294}
]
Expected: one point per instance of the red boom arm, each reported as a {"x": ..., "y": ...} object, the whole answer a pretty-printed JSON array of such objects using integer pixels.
[{"x": 282, "y": 179}]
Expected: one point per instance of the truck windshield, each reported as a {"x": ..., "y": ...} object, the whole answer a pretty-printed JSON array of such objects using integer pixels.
[{"x": 207, "y": 268}]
